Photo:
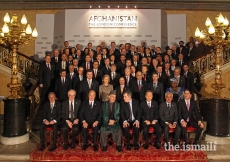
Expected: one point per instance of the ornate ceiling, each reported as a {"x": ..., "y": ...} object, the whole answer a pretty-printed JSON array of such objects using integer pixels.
[{"x": 220, "y": 5}]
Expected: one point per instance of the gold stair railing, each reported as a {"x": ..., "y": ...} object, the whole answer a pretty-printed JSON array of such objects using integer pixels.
[
  {"x": 30, "y": 68},
  {"x": 206, "y": 63}
]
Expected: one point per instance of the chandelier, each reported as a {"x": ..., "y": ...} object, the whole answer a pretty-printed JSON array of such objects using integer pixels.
[
  {"x": 12, "y": 35},
  {"x": 217, "y": 35}
]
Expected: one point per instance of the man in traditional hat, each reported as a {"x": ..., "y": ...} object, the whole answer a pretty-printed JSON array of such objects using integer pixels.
[{"x": 110, "y": 122}]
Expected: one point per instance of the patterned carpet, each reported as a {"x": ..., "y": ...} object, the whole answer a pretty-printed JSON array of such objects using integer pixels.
[{"x": 151, "y": 154}]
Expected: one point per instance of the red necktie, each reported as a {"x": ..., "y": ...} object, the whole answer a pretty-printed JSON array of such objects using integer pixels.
[
  {"x": 167, "y": 72},
  {"x": 71, "y": 76},
  {"x": 139, "y": 85},
  {"x": 87, "y": 66},
  {"x": 56, "y": 59},
  {"x": 48, "y": 66},
  {"x": 145, "y": 77}
]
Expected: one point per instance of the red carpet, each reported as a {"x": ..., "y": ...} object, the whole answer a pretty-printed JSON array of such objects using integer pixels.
[{"x": 151, "y": 154}]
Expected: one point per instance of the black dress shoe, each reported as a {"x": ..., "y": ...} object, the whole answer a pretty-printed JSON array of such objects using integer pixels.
[
  {"x": 95, "y": 148},
  {"x": 72, "y": 146},
  {"x": 104, "y": 149},
  {"x": 65, "y": 147},
  {"x": 52, "y": 148},
  {"x": 119, "y": 149},
  {"x": 157, "y": 146},
  {"x": 146, "y": 146},
  {"x": 41, "y": 147},
  {"x": 84, "y": 147},
  {"x": 136, "y": 146},
  {"x": 128, "y": 147}
]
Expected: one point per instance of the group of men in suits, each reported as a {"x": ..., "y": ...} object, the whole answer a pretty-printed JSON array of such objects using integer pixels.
[
  {"x": 139, "y": 79},
  {"x": 117, "y": 117}
]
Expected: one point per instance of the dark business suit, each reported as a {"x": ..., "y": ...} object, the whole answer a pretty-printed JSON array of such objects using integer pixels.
[
  {"x": 84, "y": 88},
  {"x": 46, "y": 77},
  {"x": 71, "y": 79},
  {"x": 139, "y": 94},
  {"x": 150, "y": 114},
  {"x": 55, "y": 63},
  {"x": 188, "y": 116},
  {"x": 77, "y": 84},
  {"x": 105, "y": 70},
  {"x": 90, "y": 116},
  {"x": 84, "y": 65},
  {"x": 165, "y": 79},
  {"x": 129, "y": 83},
  {"x": 115, "y": 80},
  {"x": 99, "y": 76},
  {"x": 59, "y": 66},
  {"x": 119, "y": 94},
  {"x": 61, "y": 90},
  {"x": 51, "y": 114},
  {"x": 170, "y": 115},
  {"x": 66, "y": 115},
  {"x": 120, "y": 67},
  {"x": 125, "y": 116},
  {"x": 189, "y": 81},
  {"x": 158, "y": 92}
]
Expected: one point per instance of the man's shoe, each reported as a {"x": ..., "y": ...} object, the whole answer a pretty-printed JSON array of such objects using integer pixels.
[
  {"x": 95, "y": 148},
  {"x": 128, "y": 147},
  {"x": 52, "y": 148},
  {"x": 104, "y": 149},
  {"x": 41, "y": 147},
  {"x": 146, "y": 146},
  {"x": 84, "y": 147},
  {"x": 157, "y": 146},
  {"x": 72, "y": 145},
  {"x": 119, "y": 149},
  {"x": 65, "y": 147},
  {"x": 136, "y": 146}
]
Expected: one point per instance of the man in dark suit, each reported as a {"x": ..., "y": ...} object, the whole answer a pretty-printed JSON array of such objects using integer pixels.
[
  {"x": 120, "y": 89},
  {"x": 157, "y": 88},
  {"x": 54, "y": 60},
  {"x": 97, "y": 73},
  {"x": 150, "y": 119},
  {"x": 168, "y": 115},
  {"x": 63, "y": 64},
  {"x": 145, "y": 73},
  {"x": 181, "y": 61},
  {"x": 121, "y": 64},
  {"x": 180, "y": 79},
  {"x": 51, "y": 118},
  {"x": 189, "y": 78},
  {"x": 191, "y": 51},
  {"x": 87, "y": 64},
  {"x": 62, "y": 86},
  {"x": 77, "y": 81},
  {"x": 106, "y": 68},
  {"x": 70, "y": 118},
  {"x": 114, "y": 76},
  {"x": 91, "y": 116},
  {"x": 128, "y": 77},
  {"x": 46, "y": 77},
  {"x": 189, "y": 116},
  {"x": 88, "y": 84},
  {"x": 130, "y": 118},
  {"x": 174, "y": 51},
  {"x": 71, "y": 75},
  {"x": 182, "y": 50},
  {"x": 139, "y": 87}
]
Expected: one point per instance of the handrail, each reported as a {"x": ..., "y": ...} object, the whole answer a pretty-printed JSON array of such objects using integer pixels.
[{"x": 25, "y": 64}]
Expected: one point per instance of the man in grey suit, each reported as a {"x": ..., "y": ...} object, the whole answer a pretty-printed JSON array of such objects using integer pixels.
[
  {"x": 70, "y": 118},
  {"x": 168, "y": 115}
]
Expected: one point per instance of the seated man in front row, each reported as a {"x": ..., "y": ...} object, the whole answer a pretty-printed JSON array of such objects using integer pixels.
[
  {"x": 187, "y": 110},
  {"x": 51, "y": 117},
  {"x": 130, "y": 117},
  {"x": 150, "y": 119},
  {"x": 168, "y": 115},
  {"x": 70, "y": 119},
  {"x": 90, "y": 116},
  {"x": 110, "y": 122}
]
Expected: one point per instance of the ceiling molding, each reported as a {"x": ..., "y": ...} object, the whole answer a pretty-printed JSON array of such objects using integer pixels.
[{"x": 165, "y": 5}]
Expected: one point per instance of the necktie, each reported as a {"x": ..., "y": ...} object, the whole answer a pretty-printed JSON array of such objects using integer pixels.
[
  {"x": 71, "y": 112},
  {"x": 127, "y": 79},
  {"x": 91, "y": 106},
  {"x": 167, "y": 72},
  {"x": 51, "y": 107},
  {"x": 63, "y": 65},
  {"x": 71, "y": 76},
  {"x": 95, "y": 73},
  {"x": 154, "y": 86},
  {"x": 122, "y": 89},
  {"x": 149, "y": 105},
  {"x": 180, "y": 63},
  {"x": 185, "y": 74},
  {"x": 180, "y": 49},
  {"x": 48, "y": 66},
  {"x": 130, "y": 110},
  {"x": 56, "y": 59},
  {"x": 113, "y": 75},
  {"x": 188, "y": 106},
  {"x": 145, "y": 77},
  {"x": 80, "y": 78},
  {"x": 63, "y": 81},
  {"x": 89, "y": 84},
  {"x": 168, "y": 106},
  {"x": 139, "y": 85},
  {"x": 87, "y": 66}
]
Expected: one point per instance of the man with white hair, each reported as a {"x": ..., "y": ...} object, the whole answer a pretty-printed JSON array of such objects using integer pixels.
[
  {"x": 168, "y": 116},
  {"x": 70, "y": 118}
]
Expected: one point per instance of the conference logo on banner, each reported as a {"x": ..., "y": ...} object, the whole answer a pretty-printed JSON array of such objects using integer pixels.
[{"x": 112, "y": 21}]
